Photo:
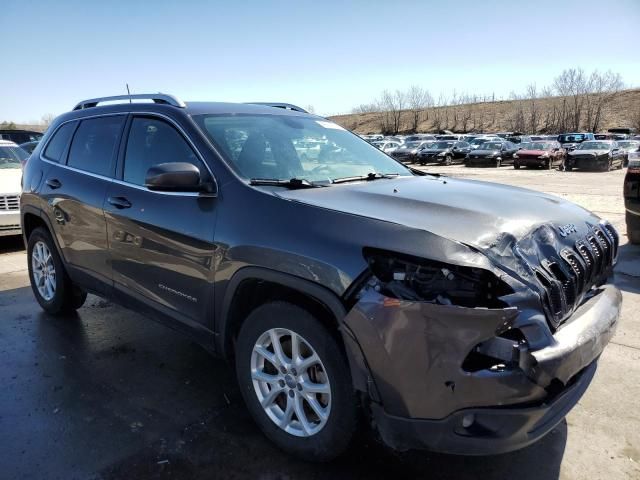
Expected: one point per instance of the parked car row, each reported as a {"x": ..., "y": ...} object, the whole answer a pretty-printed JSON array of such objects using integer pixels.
[{"x": 568, "y": 151}]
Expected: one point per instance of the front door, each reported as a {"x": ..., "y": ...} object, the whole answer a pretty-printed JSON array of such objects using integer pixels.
[{"x": 161, "y": 243}]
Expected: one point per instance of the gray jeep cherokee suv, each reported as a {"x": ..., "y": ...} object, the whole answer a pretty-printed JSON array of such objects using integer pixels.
[{"x": 454, "y": 315}]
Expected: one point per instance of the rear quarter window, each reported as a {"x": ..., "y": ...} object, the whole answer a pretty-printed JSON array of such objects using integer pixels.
[{"x": 58, "y": 143}]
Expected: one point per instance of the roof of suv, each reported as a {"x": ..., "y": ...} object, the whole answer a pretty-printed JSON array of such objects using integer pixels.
[{"x": 162, "y": 102}]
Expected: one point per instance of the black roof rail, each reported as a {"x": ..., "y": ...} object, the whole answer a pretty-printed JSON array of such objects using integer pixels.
[
  {"x": 162, "y": 98},
  {"x": 285, "y": 106}
]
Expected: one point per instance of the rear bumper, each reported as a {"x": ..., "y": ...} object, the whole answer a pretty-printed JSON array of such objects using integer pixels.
[
  {"x": 10, "y": 223},
  {"x": 414, "y": 353},
  {"x": 632, "y": 207}
]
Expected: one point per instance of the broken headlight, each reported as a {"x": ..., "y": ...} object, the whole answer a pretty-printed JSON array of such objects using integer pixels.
[{"x": 418, "y": 279}]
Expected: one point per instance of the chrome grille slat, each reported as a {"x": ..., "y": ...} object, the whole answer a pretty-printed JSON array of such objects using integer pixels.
[
  {"x": 566, "y": 276},
  {"x": 9, "y": 202}
]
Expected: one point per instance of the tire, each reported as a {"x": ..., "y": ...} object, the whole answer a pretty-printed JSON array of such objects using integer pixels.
[
  {"x": 50, "y": 283},
  {"x": 548, "y": 164},
  {"x": 448, "y": 160},
  {"x": 498, "y": 163},
  {"x": 325, "y": 440},
  {"x": 608, "y": 166}
]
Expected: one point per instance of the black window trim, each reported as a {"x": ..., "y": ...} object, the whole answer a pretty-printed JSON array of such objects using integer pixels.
[
  {"x": 114, "y": 158},
  {"x": 119, "y": 176},
  {"x": 120, "y": 155},
  {"x": 65, "y": 151}
]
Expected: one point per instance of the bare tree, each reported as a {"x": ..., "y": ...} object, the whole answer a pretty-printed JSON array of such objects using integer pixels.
[
  {"x": 532, "y": 95},
  {"x": 391, "y": 105},
  {"x": 46, "y": 119},
  {"x": 603, "y": 89},
  {"x": 418, "y": 100},
  {"x": 365, "y": 108},
  {"x": 572, "y": 83}
]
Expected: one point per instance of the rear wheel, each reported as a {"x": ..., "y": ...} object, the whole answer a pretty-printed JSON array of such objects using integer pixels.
[
  {"x": 295, "y": 381},
  {"x": 50, "y": 283}
]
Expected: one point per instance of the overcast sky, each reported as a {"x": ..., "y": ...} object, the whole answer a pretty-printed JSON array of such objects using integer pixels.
[{"x": 333, "y": 55}]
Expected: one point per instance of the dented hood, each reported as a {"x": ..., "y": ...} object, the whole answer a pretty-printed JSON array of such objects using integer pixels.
[{"x": 479, "y": 214}]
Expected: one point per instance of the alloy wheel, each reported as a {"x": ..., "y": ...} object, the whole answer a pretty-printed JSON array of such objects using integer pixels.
[
  {"x": 290, "y": 382},
  {"x": 44, "y": 271}
]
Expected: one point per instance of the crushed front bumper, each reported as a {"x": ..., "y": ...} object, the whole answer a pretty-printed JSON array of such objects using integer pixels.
[{"x": 413, "y": 353}]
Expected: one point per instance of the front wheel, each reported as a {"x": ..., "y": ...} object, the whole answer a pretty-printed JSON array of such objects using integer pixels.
[
  {"x": 448, "y": 160},
  {"x": 516, "y": 165},
  {"x": 295, "y": 381},
  {"x": 50, "y": 283},
  {"x": 498, "y": 163}
]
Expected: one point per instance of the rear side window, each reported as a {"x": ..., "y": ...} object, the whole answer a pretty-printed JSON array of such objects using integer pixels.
[
  {"x": 58, "y": 143},
  {"x": 151, "y": 142},
  {"x": 95, "y": 144}
]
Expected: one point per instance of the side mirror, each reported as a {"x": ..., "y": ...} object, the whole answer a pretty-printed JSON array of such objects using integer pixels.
[{"x": 177, "y": 177}]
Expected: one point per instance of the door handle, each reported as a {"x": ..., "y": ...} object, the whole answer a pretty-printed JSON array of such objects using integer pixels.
[
  {"x": 119, "y": 202},
  {"x": 53, "y": 183}
]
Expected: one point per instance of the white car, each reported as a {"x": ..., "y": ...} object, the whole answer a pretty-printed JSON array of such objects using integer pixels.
[
  {"x": 387, "y": 146},
  {"x": 12, "y": 158}
]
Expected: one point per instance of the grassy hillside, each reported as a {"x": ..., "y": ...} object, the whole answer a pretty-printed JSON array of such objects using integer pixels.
[{"x": 623, "y": 111}]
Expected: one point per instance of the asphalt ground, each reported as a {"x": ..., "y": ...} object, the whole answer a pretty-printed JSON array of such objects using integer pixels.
[{"x": 109, "y": 394}]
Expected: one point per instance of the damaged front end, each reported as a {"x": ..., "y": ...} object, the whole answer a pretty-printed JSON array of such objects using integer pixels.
[{"x": 466, "y": 357}]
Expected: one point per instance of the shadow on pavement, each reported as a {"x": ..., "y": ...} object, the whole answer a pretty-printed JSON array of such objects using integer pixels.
[
  {"x": 11, "y": 244},
  {"x": 109, "y": 394}
]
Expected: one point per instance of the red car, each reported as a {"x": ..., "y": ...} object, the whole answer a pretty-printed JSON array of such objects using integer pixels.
[{"x": 540, "y": 154}]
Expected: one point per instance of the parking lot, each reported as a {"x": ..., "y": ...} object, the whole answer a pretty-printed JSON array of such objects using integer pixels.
[{"x": 109, "y": 394}]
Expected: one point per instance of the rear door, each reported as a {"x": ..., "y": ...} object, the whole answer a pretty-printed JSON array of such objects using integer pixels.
[
  {"x": 161, "y": 242},
  {"x": 75, "y": 190}
]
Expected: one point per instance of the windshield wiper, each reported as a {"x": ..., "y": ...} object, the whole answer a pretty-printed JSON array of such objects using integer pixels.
[
  {"x": 294, "y": 183},
  {"x": 367, "y": 178}
]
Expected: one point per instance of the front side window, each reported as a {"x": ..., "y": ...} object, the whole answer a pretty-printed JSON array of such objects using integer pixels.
[
  {"x": 264, "y": 147},
  {"x": 153, "y": 141},
  {"x": 95, "y": 143},
  {"x": 58, "y": 143}
]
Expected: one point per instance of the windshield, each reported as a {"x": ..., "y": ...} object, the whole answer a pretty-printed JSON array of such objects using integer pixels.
[
  {"x": 594, "y": 146},
  {"x": 628, "y": 144},
  {"x": 412, "y": 144},
  {"x": 440, "y": 145},
  {"x": 571, "y": 138},
  {"x": 492, "y": 146},
  {"x": 537, "y": 146},
  {"x": 479, "y": 141},
  {"x": 273, "y": 147},
  {"x": 10, "y": 157}
]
